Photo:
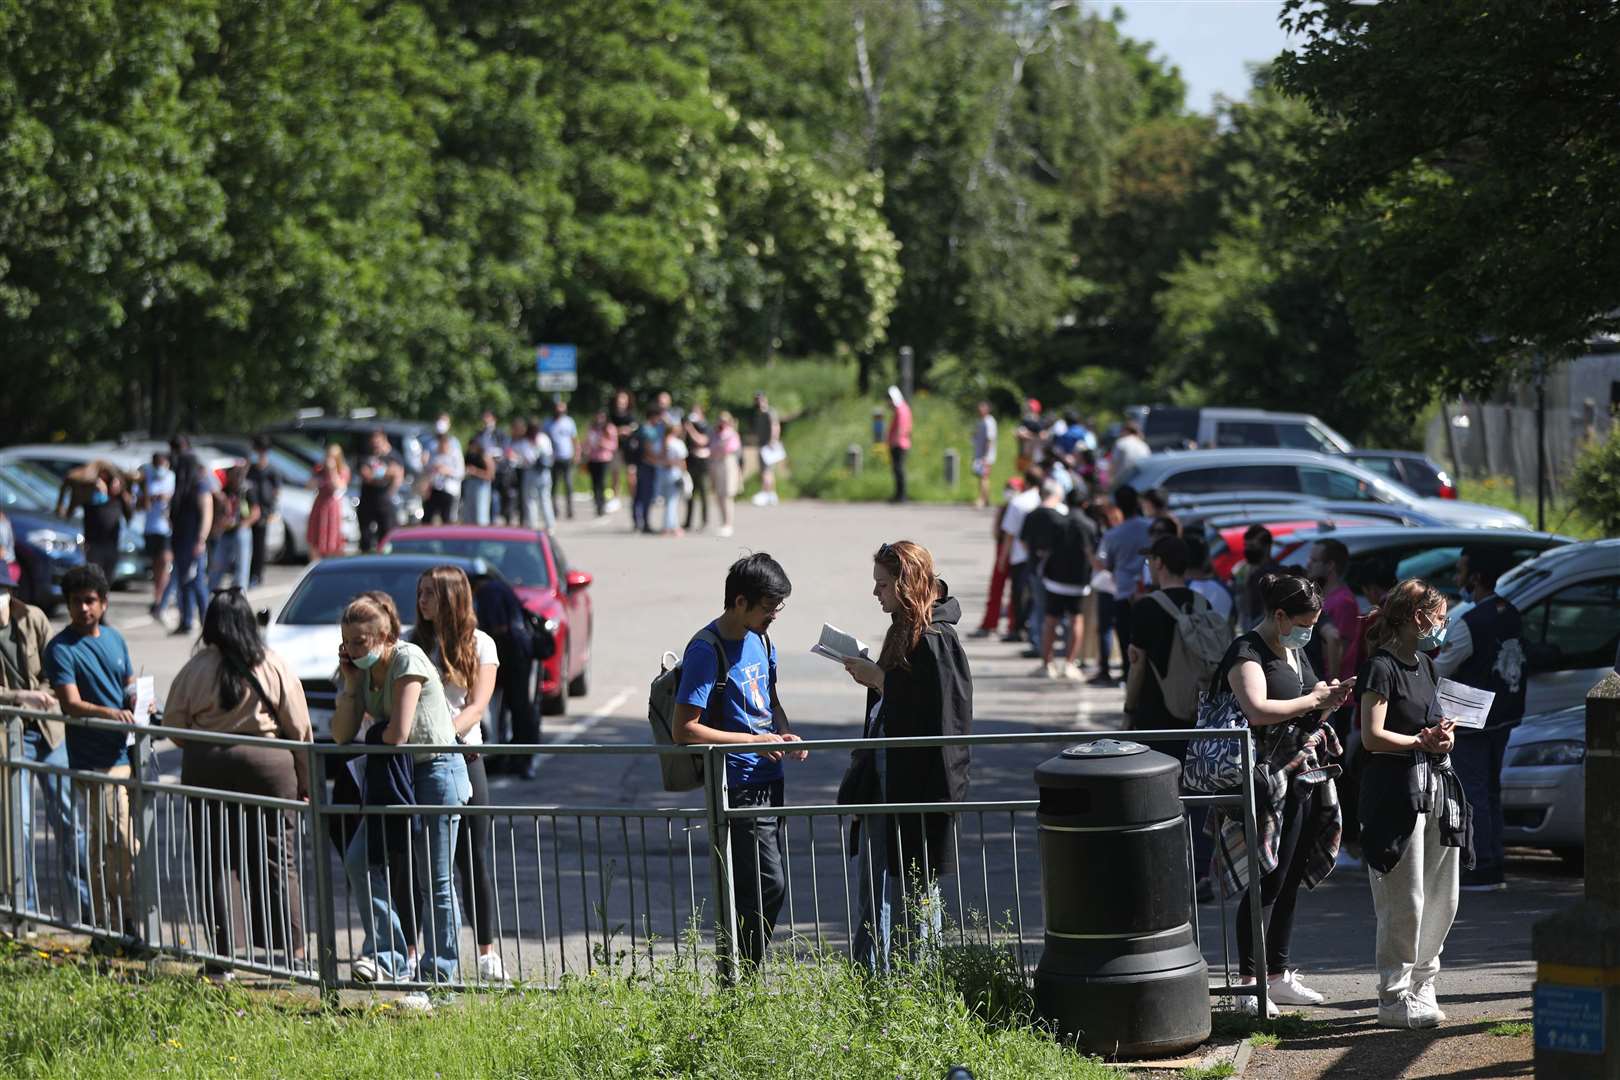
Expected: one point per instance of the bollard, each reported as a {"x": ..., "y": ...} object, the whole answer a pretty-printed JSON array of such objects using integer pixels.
[
  {"x": 1577, "y": 952},
  {"x": 852, "y": 459},
  {"x": 953, "y": 468}
]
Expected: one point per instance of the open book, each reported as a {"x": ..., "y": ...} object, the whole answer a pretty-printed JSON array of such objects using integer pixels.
[{"x": 839, "y": 646}]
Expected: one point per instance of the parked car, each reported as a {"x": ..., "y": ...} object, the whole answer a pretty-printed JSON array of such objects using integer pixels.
[
  {"x": 1427, "y": 553},
  {"x": 308, "y": 434},
  {"x": 297, "y": 497},
  {"x": 533, "y": 561},
  {"x": 1298, "y": 472},
  {"x": 1416, "y": 470},
  {"x": 1224, "y": 533},
  {"x": 306, "y": 630},
  {"x": 1544, "y": 784},
  {"x": 1569, "y": 601},
  {"x": 47, "y": 546},
  {"x": 1169, "y": 427}
]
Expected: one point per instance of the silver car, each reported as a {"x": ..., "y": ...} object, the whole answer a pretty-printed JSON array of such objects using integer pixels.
[
  {"x": 1569, "y": 599},
  {"x": 1322, "y": 476},
  {"x": 1544, "y": 784}
]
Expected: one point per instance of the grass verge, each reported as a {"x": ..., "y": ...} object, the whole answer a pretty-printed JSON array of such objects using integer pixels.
[
  {"x": 1563, "y": 516},
  {"x": 62, "y": 1017},
  {"x": 1510, "y": 1029}
]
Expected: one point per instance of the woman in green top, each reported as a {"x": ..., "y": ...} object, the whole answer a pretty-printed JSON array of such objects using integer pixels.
[{"x": 393, "y": 683}]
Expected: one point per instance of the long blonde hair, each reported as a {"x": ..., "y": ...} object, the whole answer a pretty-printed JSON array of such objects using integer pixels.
[
  {"x": 1399, "y": 608},
  {"x": 451, "y": 628},
  {"x": 916, "y": 587}
]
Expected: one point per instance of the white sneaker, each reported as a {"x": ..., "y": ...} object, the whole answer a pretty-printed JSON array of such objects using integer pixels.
[
  {"x": 1073, "y": 673},
  {"x": 1048, "y": 670},
  {"x": 723, "y": 531},
  {"x": 1288, "y": 990},
  {"x": 416, "y": 1002},
  {"x": 363, "y": 970},
  {"x": 1408, "y": 1013},
  {"x": 774, "y": 499},
  {"x": 762, "y": 498},
  {"x": 1250, "y": 1006},
  {"x": 490, "y": 968},
  {"x": 1424, "y": 993}
]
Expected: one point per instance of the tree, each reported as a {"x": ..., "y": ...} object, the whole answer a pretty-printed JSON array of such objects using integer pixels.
[{"x": 1474, "y": 149}]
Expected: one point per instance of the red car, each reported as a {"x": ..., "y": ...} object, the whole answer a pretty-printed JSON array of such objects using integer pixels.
[
  {"x": 1227, "y": 550},
  {"x": 535, "y": 565}
]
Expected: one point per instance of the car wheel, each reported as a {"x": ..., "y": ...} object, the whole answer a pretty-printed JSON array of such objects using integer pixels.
[
  {"x": 1574, "y": 858},
  {"x": 580, "y": 684}
]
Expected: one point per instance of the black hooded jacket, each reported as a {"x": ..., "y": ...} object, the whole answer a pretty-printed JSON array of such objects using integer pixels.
[{"x": 932, "y": 696}]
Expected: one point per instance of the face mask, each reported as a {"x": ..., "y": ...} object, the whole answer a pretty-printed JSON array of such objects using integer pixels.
[
  {"x": 1433, "y": 639},
  {"x": 441, "y": 426},
  {"x": 368, "y": 661},
  {"x": 98, "y": 498},
  {"x": 1297, "y": 638}
]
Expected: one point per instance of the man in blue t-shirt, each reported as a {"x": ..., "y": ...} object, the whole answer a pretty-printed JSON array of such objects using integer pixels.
[
  {"x": 88, "y": 666},
  {"x": 747, "y": 712}
]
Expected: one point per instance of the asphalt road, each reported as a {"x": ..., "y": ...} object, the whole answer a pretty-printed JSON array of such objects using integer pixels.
[{"x": 604, "y": 882}]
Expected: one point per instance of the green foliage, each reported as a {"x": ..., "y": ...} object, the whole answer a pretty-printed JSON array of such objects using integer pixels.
[
  {"x": 794, "y": 387},
  {"x": 1473, "y": 149},
  {"x": 1511, "y": 1029},
  {"x": 1594, "y": 485},
  {"x": 1567, "y": 515},
  {"x": 1208, "y": 1072},
  {"x": 64, "y": 1020}
]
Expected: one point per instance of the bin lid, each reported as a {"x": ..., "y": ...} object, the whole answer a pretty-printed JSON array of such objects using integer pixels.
[
  {"x": 1107, "y": 761},
  {"x": 1098, "y": 748}
]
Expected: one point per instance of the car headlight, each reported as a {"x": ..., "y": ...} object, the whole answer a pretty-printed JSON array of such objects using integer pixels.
[
  {"x": 1562, "y": 752},
  {"x": 53, "y": 543},
  {"x": 551, "y": 626}
]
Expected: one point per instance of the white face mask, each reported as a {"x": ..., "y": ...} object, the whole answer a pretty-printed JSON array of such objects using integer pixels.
[{"x": 442, "y": 427}]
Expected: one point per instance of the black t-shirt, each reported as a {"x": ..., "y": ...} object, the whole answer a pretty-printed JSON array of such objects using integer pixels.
[
  {"x": 375, "y": 489},
  {"x": 101, "y": 521},
  {"x": 1409, "y": 689},
  {"x": 1283, "y": 683},
  {"x": 1041, "y": 529},
  {"x": 1154, "y": 632},
  {"x": 265, "y": 485},
  {"x": 1070, "y": 561}
]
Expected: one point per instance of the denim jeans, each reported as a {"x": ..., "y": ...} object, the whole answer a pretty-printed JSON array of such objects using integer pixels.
[
  {"x": 537, "y": 512},
  {"x": 1036, "y": 626},
  {"x": 886, "y": 896},
  {"x": 646, "y": 492},
  {"x": 188, "y": 583},
  {"x": 758, "y": 856},
  {"x": 475, "y": 499},
  {"x": 1477, "y": 757},
  {"x": 440, "y": 781},
  {"x": 56, "y": 793},
  {"x": 231, "y": 554},
  {"x": 669, "y": 489}
]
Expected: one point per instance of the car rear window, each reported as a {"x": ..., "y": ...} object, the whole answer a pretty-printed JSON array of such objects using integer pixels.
[
  {"x": 321, "y": 597},
  {"x": 1245, "y": 433},
  {"x": 1234, "y": 478},
  {"x": 520, "y": 561}
]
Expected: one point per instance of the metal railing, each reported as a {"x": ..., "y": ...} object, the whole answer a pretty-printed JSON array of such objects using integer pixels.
[{"x": 255, "y": 883}]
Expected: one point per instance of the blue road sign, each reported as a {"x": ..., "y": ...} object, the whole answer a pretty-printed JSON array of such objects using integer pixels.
[
  {"x": 1569, "y": 1019},
  {"x": 558, "y": 366}
]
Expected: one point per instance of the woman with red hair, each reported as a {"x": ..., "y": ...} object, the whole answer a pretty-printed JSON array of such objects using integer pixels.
[{"x": 920, "y": 685}]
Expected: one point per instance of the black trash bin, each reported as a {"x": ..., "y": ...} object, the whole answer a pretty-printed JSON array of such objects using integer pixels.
[{"x": 1121, "y": 972}]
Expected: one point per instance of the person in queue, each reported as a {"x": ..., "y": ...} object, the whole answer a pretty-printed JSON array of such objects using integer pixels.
[
  {"x": 1288, "y": 708},
  {"x": 234, "y": 685},
  {"x": 331, "y": 483},
  {"x": 467, "y": 662},
  {"x": 726, "y": 470},
  {"x": 920, "y": 685},
  {"x": 1416, "y": 825},
  {"x": 394, "y": 686}
]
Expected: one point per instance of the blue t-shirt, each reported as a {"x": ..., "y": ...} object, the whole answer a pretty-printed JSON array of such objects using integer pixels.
[
  {"x": 100, "y": 667},
  {"x": 1124, "y": 551},
  {"x": 747, "y": 705},
  {"x": 563, "y": 432}
]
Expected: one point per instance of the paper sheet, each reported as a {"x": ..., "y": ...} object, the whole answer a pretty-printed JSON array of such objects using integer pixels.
[
  {"x": 838, "y": 646},
  {"x": 1467, "y": 705},
  {"x": 145, "y": 699}
]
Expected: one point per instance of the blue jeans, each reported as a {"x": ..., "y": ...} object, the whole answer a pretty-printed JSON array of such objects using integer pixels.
[
  {"x": 669, "y": 489},
  {"x": 537, "y": 511},
  {"x": 57, "y": 792},
  {"x": 646, "y": 492},
  {"x": 189, "y": 582},
  {"x": 231, "y": 554},
  {"x": 475, "y": 499},
  {"x": 1477, "y": 757},
  {"x": 887, "y": 898},
  {"x": 440, "y": 781}
]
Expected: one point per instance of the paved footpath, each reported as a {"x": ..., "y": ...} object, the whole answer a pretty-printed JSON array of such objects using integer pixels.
[{"x": 651, "y": 594}]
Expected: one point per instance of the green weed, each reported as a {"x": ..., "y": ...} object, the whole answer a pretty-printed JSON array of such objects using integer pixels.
[{"x": 1510, "y": 1029}]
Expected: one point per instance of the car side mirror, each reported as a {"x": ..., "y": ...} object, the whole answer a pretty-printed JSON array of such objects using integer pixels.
[
  {"x": 263, "y": 615},
  {"x": 578, "y": 579}
]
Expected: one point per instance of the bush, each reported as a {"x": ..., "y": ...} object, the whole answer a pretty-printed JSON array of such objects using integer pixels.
[
  {"x": 1594, "y": 484},
  {"x": 794, "y": 387}
]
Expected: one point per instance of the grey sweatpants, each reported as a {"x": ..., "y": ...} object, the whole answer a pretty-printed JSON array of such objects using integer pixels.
[{"x": 1416, "y": 903}]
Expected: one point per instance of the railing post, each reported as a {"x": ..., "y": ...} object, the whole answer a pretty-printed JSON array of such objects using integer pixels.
[
  {"x": 716, "y": 802},
  {"x": 143, "y": 810},
  {"x": 325, "y": 914},
  {"x": 17, "y": 844},
  {"x": 1251, "y": 843}
]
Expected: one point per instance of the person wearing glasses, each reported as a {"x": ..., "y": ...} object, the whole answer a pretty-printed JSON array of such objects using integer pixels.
[
  {"x": 727, "y": 694},
  {"x": 920, "y": 685}
]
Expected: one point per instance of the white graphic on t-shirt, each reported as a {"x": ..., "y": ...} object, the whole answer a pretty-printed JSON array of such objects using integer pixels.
[
  {"x": 752, "y": 680},
  {"x": 1509, "y": 666}
]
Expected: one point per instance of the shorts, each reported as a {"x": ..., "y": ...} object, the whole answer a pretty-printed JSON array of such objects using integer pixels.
[
  {"x": 981, "y": 467},
  {"x": 1059, "y": 606},
  {"x": 157, "y": 546}
]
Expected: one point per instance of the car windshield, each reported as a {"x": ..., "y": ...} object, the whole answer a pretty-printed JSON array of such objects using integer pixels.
[
  {"x": 15, "y": 496},
  {"x": 291, "y": 469},
  {"x": 321, "y": 597},
  {"x": 519, "y": 561},
  {"x": 41, "y": 481}
]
